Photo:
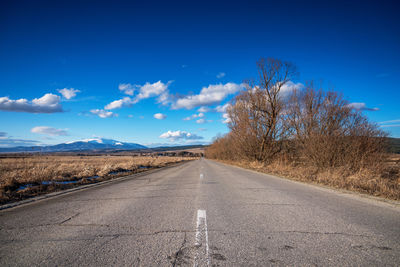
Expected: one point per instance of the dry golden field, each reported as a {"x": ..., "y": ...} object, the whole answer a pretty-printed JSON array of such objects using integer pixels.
[
  {"x": 381, "y": 181},
  {"x": 49, "y": 173}
]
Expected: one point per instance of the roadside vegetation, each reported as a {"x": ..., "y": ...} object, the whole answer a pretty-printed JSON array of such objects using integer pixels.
[
  {"x": 308, "y": 134},
  {"x": 26, "y": 176}
]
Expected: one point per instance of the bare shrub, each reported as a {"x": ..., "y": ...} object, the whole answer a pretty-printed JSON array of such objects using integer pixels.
[{"x": 329, "y": 133}]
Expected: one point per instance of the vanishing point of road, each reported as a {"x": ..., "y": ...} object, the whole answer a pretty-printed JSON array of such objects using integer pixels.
[{"x": 202, "y": 213}]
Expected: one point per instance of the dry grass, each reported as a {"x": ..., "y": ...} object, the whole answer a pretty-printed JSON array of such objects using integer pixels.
[
  {"x": 381, "y": 181},
  {"x": 33, "y": 170}
]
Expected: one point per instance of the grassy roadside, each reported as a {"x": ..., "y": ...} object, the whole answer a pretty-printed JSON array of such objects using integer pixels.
[
  {"x": 385, "y": 185},
  {"x": 25, "y": 177}
]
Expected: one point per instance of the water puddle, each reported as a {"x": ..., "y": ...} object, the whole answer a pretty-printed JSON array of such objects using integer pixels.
[
  {"x": 91, "y": 178},
  {"x": 26, "y": 186},
  {"x": 119, "y": 171}
]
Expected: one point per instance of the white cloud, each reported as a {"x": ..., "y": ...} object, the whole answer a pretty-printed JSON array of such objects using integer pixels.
[
  {"x": 200, "y": 115},
  {"x": 200, "y": 121},
  {"x": 127, "y": 88},
  {"x": 124, "y": 102},
  {"x": 159, "y": 116},
  {"x": 164, "y": 98},
  {"x": 226, "y": 118},
  {"x": 289, "y": 87},
  {"x": 12, "y": 142},
  {"x": 48, "y": 103},
  {"x": 210, "y": 95},
  {"x": 221, "y": 75},
  {"x": 49, "y": 131},
  {"x": 6, "y": 141},
  {"x": 203, "y": 109},
  {"x": 221, "y": 108},
  {"x": 390, "y": 125},
  {"x": 68, "y": 93},
  {"x": 103, "y": 113},
  {"x": 147, "y": 90},
  {"x": 391, "y": 121},
  {"x": 155, "y": 89},
  {"x": 180, "y": 135},
  {"x": 361, "y": 106}
]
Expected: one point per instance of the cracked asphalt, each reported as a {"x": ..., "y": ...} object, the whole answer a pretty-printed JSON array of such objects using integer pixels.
[{"x": 253, "y": 220}]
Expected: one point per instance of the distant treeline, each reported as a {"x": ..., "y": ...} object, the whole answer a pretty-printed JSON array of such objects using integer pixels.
[
  {"x": 274, "y": 119},
  {"x": 394, "y": 145}
]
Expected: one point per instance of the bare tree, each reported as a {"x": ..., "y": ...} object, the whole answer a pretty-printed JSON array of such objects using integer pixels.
[{"x": 257, "y": 117}]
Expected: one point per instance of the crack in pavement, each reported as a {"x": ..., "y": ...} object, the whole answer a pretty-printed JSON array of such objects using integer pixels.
[
  {"x": 179, "y": 254},
  {"x": 267, "y": 204},
  {"x": 70, "y": 218},
  {"x": 89, "y": 238},
  {"x": 185, "y": 231}
]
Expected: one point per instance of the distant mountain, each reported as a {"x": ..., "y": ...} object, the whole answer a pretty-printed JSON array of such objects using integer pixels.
[{"x": 83, "y": 145}]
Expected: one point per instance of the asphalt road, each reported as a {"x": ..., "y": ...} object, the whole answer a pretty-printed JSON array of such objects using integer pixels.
[{"x": 202, "y": 213}]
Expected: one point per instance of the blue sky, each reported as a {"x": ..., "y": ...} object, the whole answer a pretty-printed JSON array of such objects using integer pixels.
[{"x": 173, "y": 58}]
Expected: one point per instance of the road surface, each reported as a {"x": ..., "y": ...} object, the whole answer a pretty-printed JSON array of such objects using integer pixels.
[{"x": 202, "y": 213}]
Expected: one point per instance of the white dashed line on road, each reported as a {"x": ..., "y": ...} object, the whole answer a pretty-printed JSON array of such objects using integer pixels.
[{"x": 201, "y": 257}]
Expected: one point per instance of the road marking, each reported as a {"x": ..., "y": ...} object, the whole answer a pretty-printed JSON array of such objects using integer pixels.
[
  {"x": 201, "y": 258},
  {"x": 201, "y": 176}
]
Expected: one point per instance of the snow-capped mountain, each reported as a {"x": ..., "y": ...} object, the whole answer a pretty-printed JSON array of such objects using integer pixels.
[{"x": 81, "y": 145}]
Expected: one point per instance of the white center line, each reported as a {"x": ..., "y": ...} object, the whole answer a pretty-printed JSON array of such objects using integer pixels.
[{"x": 201, "y": 258}]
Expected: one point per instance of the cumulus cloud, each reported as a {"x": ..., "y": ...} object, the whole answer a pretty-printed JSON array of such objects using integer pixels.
[
  {"x": 361, "y": 106},
  {"x": 210, "y": 95},
  {"x": 49, "y": 131},
  {"x": 152, "y": 89},
  {"x": 200, "y": 115},
  {"x": 203, "y": 109},
  {"x": 180, "y": 135},
  {"x": 147, "y": 90},
  {"x": 159, "y": 116},
  {"x": 221, "y": 75},
  {"x": 222, "y": 108},
  {"x": 68, "y": 93},
  {"x": 200, "y": 121},
  {"x": 103, "y": 113},
  {"x": 226, "y": 118},
  {"x": 287, "y": 88},
  {"x": 127, "y": 88},
  {"x": 124, "y": 102},
  {"x": 290, "y": 86},
  {"x": 48, "y": 103}
]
